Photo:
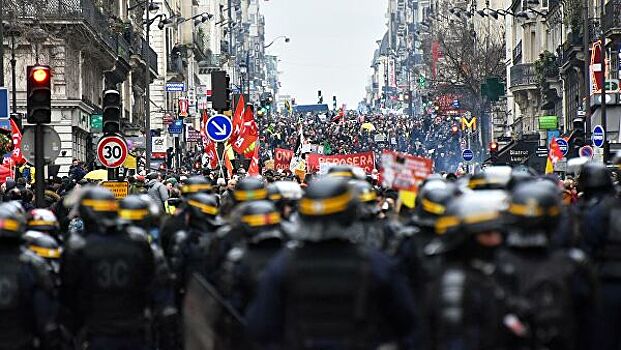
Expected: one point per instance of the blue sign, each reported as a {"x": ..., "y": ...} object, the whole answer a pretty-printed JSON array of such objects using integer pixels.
[
  {"x": 219, "y": 128},
  {"x": 598, "y": 136},
  {"x": 4, "y": 109},
  {"x": 456, "y": 104},
  {"x": 175, "y": 87},
  {"x": 176, "y": 127},
  {"x": 563, "y": 146},
  {"x": 586, "y": 152},
  {"x": 467, "y": 154}
]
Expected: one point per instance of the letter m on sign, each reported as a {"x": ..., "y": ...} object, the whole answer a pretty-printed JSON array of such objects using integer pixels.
[{"x": 469, "y": 124}]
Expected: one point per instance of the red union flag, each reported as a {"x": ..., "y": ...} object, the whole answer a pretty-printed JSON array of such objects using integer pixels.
[
  {"x": 282, "y": 158},
  {"x": 208, "y": 144},
  {"x": 248, "y": 135},
  {"x": 365, "y": 161},
  {"x": 404, "y": 171}
]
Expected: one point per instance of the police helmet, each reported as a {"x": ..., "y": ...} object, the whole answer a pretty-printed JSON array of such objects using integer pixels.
[
  {"x": 367, "y": 198},
  {"x": 491, "y": 178},
  {"x": 594, "y": 177},
  {"x": 342, "y": 171},
  {"x": 533, "y": 213},
  {"x": 98, "y": 206},
  {"x": 134, "y": 210},
  {"x": 520, "y": 175},
  {"x": 249, "y": 189},
  {"x": 12, "y": 222},
  {"x": 203, "y": 208},
  {"x": 42, "y": 244},
  {"x": 431, "y": 204},
  {"x": 329, "y": 200},
  {"x": 259, "y": 220},
  {"x": 467, "y": 216},
  {"x": 43, "y": 220},
  {"x": 196, "y": 184}
]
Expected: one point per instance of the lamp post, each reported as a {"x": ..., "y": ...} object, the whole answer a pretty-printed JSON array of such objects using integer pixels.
[{"x": 287, "y": 39}]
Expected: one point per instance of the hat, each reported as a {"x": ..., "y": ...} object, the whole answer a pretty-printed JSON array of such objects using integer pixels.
[
  {"x": 171, "y": 180},
  {"x": 152, "y": 176}
]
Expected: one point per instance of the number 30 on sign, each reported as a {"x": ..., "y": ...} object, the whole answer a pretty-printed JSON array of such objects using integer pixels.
[{"x": 112, "y": 151}]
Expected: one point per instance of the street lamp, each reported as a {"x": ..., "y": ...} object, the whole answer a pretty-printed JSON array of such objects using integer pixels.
[{"x": 287, "y": 39}]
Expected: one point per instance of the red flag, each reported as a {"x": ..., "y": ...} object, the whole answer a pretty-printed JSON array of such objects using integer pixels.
[
  {"x": 208, "y": 144},
  {"x": 253, "y": 169},
  {"x": 238, "y": 120},
  {"x": 248, "y": 135},
  {"x": 16, "y": 135},
  {"x": 227, "y": 163},
  {"x": 555, "y": 152}
]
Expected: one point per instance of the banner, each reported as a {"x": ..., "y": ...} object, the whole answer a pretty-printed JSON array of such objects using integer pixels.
[
  {"x": 282, "y": 158},
  {"x": 365, "y": 161},
  {"x": 404, "y": 171}
]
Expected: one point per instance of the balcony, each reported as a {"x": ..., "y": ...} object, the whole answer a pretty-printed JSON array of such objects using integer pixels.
[
  {"x": 523, "y": 77},
  {"x": 78, "y": 11},
  {"x": 612, "y": 18},
  {"x": 517, "y": 53}
]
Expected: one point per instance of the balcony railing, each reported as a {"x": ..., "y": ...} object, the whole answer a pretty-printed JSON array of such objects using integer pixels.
[
  {"x": 138, "y": 43},
  {"x": 612, "y": 17},
  {"x": 523, "y": 74},
  {"x": 517, "y": 53},
  {"x": 71, "y": 10}
]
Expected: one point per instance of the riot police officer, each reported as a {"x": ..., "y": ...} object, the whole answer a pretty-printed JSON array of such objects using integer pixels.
[
  {"x": 141, "y": 211},
  {"x": 43, "y": 220},
  {"x": 172, "y": 224},
  {"x": 600, "y": 230},
  {"x": 109, "y": 280},
  {"x": 368, "y": 229},
  {"x": 552, "y": 291},
  {"x": 27, "y": 306},
  {"x": 48, "y": 249},
  {"x": 465, "y": 305},
  {"x": 259, "y": 224},
  {"x": 330, "y": 292},
  {"x": 190, "y": 246}
]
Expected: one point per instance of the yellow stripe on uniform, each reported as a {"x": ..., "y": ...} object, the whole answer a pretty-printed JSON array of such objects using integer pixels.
[
  {"x": 258, "y": 220},
  {"x": 367, "y": 196},
  {"x": 45, "y": 252},
  {"x": 432, "y": 207},
  {"x": 42, "y": 223},
  {"x": 325, "y": 206},
  {"x": 341, "y": 174},
  {"x": 205, "y": 208},
  {"x": 101, "y": 204},
  {"x": 195, "y": 188},
  {"x": 445, "y": 223},
  {"x": 531, "y": 210},
  {"x": 9, "y": 225}
]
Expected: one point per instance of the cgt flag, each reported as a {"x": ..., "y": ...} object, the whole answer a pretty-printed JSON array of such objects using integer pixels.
[
  {"x": 253, "y": 169},
  {"x": 208, "y": 144},
  {"x": 249, "y": 134}
]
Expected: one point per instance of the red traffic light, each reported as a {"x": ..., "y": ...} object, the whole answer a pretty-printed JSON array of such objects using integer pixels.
[
  {"x": 493, "y": 146},
  {"x": 40, "y": 74}
]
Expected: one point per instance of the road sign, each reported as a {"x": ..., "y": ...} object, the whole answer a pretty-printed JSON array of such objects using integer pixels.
[
  {"x": 118, "y": 188},
  {"x": 586, "y": 152},
  {"x": 467, "y": 154},
  {"x": 598, "y": 136},
  {"x": 96, "y": 122},
  {"x": 456, "y": 104},
  {"x": 112, "y": 151},
  {"x": 175, "y": 87},
  {"x": 51, "y": 144},
  {"x": 219, "y": 128},
  {"x": 563, "y": 146},
  {"x": 4, "y": 109},
  {"x": 176, "y": 127}
]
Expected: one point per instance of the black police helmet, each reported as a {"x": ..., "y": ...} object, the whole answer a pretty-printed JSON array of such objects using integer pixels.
[
  {"x": 196, "y": 184},
  {"x": 97, "y": 207},
  {"x": 491, "y": 178},
  {"x": 431, "y": 204},
  {"x": 466, "y": 216},
  {"x": 12, "y": 222},
  {"x": 42, "y": 244},
  {"x": 259, "y": 220},
  {"x": 203, "y": 208},
  {"x": 533, "y": 213},
  {"x": 134, "y": 210},
  {"x": 594, "y": 177},
  {"x": 249, "y": 189},
  {"x": 367, "y": 198},
  {"x": 329, "y": 200},
  {"x": 43, "y": 220}
]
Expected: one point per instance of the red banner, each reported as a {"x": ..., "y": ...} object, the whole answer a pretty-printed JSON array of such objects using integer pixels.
[
  {"x": 404, "y": 171},
  {"x": 365, "y": 161},
  {"x": 282, "y": 158}
]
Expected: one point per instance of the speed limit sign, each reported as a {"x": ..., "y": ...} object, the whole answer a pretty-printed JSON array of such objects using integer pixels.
[{"x": 112, "y": 151}]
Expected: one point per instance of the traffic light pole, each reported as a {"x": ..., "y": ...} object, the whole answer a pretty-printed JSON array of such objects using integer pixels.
[
  {"x": 39, "y": 166},
  {"x": 147, "y": 94}
]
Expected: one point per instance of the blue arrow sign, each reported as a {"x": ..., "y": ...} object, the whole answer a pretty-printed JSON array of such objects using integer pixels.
[
  {"x": 176, "y": 128},
  {"x": 563, "y": 146},
  {"x": 219, "y": 128},
  {"x": 598, "y": 136},
  {"x": 467, "y": 154}
]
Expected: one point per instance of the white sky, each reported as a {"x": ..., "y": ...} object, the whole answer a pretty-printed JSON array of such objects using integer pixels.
[{"x": 331, "y": 47}]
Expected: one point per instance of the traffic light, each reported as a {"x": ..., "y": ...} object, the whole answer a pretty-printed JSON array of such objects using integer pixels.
[
  {"x": 111, "y": 112},
  {"x": 578, "y": 137},
  {"x": 493, "y": 151},
  {"x": 39, "y": 94},
  {"x": 220, "y": 91},
  {"x": 319, "y": 97},
  {"x": 334, "y": 102}
]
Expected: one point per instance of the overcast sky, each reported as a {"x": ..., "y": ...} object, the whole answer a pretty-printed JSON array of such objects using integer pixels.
[{"x": 331, "y": 47}]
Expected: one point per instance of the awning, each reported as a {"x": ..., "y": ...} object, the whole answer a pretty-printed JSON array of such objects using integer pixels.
[{"x": 613, "y": 117}]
